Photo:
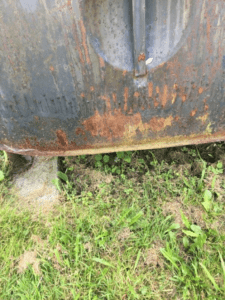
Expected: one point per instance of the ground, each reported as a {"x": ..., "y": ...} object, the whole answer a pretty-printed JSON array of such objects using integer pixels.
[{"x": 130, "y": 225}]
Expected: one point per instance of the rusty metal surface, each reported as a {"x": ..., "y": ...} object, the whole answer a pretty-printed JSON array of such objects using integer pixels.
[{"x": 73, "y": 81}]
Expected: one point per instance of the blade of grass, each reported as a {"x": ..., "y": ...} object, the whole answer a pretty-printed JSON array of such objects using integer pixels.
[
  {"x": 137, "y": 260},
  {"x": 136, "y": 218},
  {"x": 169, "y": 257},
  {"x": 102, "y": 261},
  {"x": 223, "y": 267},
  {"x": 209, "y": 276}
]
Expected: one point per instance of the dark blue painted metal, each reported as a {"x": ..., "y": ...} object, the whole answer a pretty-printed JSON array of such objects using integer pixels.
[{"x": 92, "y": 76}]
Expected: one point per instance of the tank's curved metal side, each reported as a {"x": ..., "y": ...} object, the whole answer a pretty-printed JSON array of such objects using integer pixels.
[{"x": 73, "y": 82}]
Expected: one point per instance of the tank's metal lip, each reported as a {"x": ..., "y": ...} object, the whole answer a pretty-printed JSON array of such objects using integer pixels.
[{"x": 157, "y": 143}]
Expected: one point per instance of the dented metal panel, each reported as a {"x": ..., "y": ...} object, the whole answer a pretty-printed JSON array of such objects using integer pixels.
[{"x": 94, "y": 76}]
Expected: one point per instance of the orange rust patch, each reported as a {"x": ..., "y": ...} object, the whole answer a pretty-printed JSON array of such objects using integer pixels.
[
  {"x": 69, "y": 3},
  {"x": 156, "y": 104},
  {"x": 165, "y": 96},
  {"x": 142, "y": 108},
  {"x": 184, "y": 98},
  {"x": 177, "y": 118},
  {"x": 206, "y": 107},
  {"x": 200, "y": 90},
  {"x": 126, "y": 94},
  {"x": 79, "y": 131},
  {"x": 158, "y": 124},
  {"x": 119, "y": 125},
  {"x": 82, "y": 95},
  {"x": 136, "y": 94},
  {"x": 84, "y": 43},
  {"x": 107, "y": 100},
  {"x": 92, "y": 88},
  {"x": 101, "y": 61},
  {"x": 124, "y": 72},
  {"x": 157, "y": 90},
  {"x": 51, "y": 68},
  {"x": 109, "y": 125},
  {"x": 114, "y": 97},
  {"x": 193, "y": 112},
  {"x": 150, "y": 89},
  {"x": 62, "y": 139},
  {"x": 141, "y": 57}
]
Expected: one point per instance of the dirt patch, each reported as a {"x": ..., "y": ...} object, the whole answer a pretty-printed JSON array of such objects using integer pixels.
[
  {"x": 124, "y": 234},
  {"x": 39, "y": 241},
  {"x": 29, "y": 257},
  {"x": 86, "y": 177},
  {"x": 154, "y": 257},
  {"x": 193, "y": 213},
  {"x": 88, "y": 247},
  {"x": 218, "y": 183}
]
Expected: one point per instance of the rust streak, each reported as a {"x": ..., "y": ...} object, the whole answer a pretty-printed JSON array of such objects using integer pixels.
[
  {"x": 75, "y": 35},
  {"x": 126, "y": 94},
  {"x": 150, "y": 89},
  {"x": 157, "y": 90},
  {"x": 101, "y": 61},
  {"x": 165, "y": 96},
  {"x": 107, "y": 100},
  {"x": 114, "y": 97},
  {"x": 84, "y": 42},
  {"x": 208, "y": 36}
]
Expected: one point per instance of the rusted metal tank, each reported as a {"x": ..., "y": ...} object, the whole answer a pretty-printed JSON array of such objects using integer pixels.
[{"x": 94, "y": 76}]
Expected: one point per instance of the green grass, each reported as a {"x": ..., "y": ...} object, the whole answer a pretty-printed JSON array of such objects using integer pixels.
[{"x": 133, "y": 225}]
